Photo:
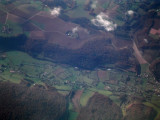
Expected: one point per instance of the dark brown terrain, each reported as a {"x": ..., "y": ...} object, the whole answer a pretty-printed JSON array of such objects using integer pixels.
[
  {"x": 140, "y": 112},
  {"x": 20, "y": 102},
  {"x": 147, "y": 40},
  {"x": 100, "y": 107}
]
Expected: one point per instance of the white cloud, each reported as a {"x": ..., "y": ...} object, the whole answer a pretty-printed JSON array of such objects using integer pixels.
[
  {"x": 145, "y": 40},
  {"x": 56, "y": 11},
  {"x": 130, "y": 12},
  {"x": 102, "y": 20},
  {"x": 94, "y": 4},
  {"x": 75, "y": 29}
]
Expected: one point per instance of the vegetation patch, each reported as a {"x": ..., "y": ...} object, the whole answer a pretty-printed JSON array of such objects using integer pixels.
[{"x": 85, "y": 97}]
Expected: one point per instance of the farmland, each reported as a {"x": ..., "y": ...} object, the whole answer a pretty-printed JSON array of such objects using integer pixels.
[
  {"x": 55, "y": 45},
  {"x": 18, "y": 66}
]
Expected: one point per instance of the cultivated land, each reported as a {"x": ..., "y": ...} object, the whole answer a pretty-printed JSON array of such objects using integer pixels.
[
  {"x": 18, "y": 66},
  {"x": 118, "y": 68}
]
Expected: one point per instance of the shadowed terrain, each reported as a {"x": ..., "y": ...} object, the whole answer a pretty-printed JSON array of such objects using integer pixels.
[
  {"x": 140, "y": 112},
  {"x": 100, "y": 107},
  {"x": 19, "y": 102}
]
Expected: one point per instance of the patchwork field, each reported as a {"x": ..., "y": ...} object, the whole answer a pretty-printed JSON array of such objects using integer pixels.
[
  {"x": 109, "y": 68},
  {"x": 18, "y": 66}
]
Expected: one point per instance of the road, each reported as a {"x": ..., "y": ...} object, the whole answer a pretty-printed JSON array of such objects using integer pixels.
[{"x": 138, "y": 55}]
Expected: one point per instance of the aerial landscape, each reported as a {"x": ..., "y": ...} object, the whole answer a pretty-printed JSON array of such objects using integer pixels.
[{"x": 80, "y": 59}]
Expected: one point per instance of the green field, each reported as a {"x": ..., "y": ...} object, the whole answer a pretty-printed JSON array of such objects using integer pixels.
[
  {"x": 20, "y": 66},
  {"x": 85, "y": 97},
  {"x": 72, "y": 115},
  {"x": 14, "y": 29},
  {"x": 103, "y": 92},
  {"x": 8, "y": 76},
  {"x": 79, "y": 11},
  {"x": 144, "y": 68},
  {"x": 153, "y": 104}
]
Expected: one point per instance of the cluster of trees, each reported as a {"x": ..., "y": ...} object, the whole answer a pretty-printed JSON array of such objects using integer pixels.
[{"x": 19, "y": 102}]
